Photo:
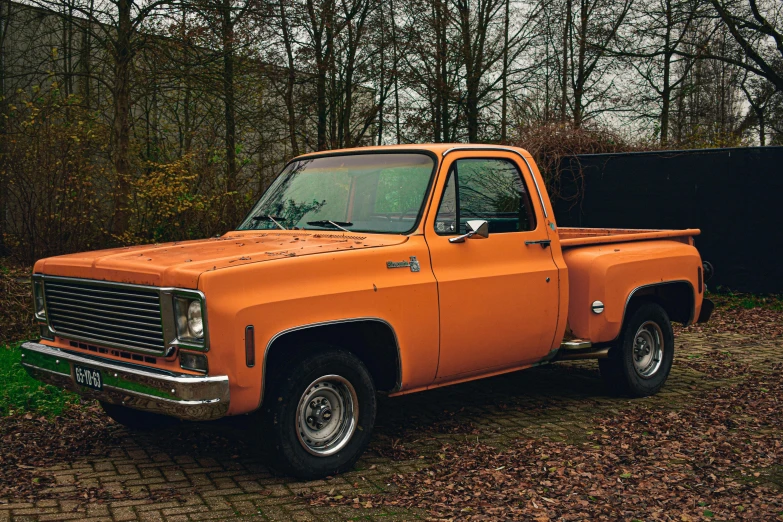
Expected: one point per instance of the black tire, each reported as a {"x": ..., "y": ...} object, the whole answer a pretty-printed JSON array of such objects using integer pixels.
[
  {"x": 281, "y": 416},
  {"x": 645, "y": 377},
  {"x": 137, "y": 420}
]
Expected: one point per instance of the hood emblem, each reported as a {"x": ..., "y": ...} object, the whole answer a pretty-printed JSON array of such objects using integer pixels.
[{"x": 413, "y": 264}]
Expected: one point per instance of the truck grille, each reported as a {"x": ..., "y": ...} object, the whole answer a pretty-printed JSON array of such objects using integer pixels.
[{"x": 113, "y": 315}]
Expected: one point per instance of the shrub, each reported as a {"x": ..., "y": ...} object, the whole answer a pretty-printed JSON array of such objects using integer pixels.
[
  {"x": 550, "y": 144},
  {"x": 52, "y": 170}
]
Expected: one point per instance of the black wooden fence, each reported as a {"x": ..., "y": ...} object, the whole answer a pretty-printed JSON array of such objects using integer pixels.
[{"x": 735, "y": 196}]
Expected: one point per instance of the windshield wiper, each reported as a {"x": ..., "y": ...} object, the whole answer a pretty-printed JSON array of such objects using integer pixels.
[
  {"x": 268, "y": 217},
  {"x": 335, "y": 224}
]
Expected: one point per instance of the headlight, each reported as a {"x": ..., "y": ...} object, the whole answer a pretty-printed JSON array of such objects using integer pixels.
[
  {"x": 189, "y": 319},
  {"x": 39, "y": 305}
]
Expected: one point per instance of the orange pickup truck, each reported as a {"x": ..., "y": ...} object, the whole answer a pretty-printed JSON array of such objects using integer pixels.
[{"x": 385, "y": 269}]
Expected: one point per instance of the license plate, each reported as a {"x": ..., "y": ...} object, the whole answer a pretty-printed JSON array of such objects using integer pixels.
[{"x": 88, "y": 377}]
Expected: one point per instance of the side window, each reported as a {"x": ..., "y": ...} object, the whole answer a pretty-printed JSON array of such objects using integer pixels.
[
  {"x": 446, "y": 219},
  {"x": 489, "y": 189}
]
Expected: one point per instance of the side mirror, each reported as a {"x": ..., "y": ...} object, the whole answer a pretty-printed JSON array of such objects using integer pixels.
[{"x": 477, "y": 229}]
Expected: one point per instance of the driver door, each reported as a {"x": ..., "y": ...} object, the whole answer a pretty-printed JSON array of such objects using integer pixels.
[{"x": 498, "y": 296}]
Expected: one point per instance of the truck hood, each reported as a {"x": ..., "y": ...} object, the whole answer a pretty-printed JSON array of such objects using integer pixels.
[{"x": 180, "y": 264}]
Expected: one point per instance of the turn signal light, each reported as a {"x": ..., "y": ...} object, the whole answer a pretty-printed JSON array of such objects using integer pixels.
[
  {"x": 250, "y": 346},
  {"x": 193, "y": 361}
]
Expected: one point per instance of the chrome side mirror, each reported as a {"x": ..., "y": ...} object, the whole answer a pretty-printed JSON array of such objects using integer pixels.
[{"x": 477, "y": 229}]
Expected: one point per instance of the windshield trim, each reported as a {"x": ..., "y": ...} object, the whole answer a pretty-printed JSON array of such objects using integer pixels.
[{"x": 359, "y": 152}]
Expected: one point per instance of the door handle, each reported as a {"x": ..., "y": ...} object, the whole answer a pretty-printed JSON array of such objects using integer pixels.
[{"x": 543, "y": 242}]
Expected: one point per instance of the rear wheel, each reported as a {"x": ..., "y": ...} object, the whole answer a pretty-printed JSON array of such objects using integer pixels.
[
  {"x": 319, "y": 414},
  {"x": 137, "y": 420},
  {"x": 640, "y": 362}
]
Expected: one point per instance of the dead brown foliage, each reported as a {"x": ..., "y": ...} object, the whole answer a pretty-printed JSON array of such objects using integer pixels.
[
  {"x": 713, "y": 459},
  {"x": 551, "y": 144},
  {"x": 30, "y": 447},
  {"x": 758, "y": 323},
  {"x": 16, "y": 319}
]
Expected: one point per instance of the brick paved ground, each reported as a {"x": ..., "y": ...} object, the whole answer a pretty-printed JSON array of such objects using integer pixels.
[{"x": 196, "y": 478}]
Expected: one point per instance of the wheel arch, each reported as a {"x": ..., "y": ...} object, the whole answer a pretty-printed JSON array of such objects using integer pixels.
[
  {"x": 677, "y": 298},
  {"x": 373, "y": 340}
]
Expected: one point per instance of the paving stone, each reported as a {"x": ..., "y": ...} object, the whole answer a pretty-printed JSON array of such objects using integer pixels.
[
  {"x": 557, "y": 402},
  {"x": 121, "y": 514}
]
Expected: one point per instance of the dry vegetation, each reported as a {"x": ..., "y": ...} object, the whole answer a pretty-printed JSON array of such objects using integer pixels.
[
  {"x": 554, "y": 146},
  {"x": 16, "y": 302}
]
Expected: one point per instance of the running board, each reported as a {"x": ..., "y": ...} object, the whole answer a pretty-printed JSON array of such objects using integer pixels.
[
  {"x": 576, "y": 344},
  {"x": 570, "y": 355},
  {"x": 574, "y": 349}
]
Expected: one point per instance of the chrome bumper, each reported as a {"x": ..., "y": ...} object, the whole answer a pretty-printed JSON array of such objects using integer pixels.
[{"x": 179, "y": 395}]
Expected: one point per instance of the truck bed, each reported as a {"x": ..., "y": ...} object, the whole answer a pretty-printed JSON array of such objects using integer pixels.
[{"x": 573, "y": 237}]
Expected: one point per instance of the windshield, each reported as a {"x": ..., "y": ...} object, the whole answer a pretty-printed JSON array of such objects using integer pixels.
[{"x": 364, "y": 193}]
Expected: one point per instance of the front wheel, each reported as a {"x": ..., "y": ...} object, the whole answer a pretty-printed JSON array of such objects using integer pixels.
[
  {"x": 640, "y": 362},
  {"x": 319, "y": 414}
]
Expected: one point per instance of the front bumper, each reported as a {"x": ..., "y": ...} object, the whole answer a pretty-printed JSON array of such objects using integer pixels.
[{"x": 189, "y": 397}]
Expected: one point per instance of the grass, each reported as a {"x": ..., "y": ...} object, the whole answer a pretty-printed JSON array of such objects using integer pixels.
[
  {"x": 733, "y": 301},
  {"x": 21, "y": 394}
]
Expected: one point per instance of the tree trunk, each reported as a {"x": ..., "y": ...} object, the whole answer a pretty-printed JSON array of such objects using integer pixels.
[
  {"x": 504, "y": 100},
  {"x": 344, "y": 135},
  {"x": 320, "y": 100},
  {"x": 581, "y": 79},
  {"x": 227, "y": 28},
  {"x": 85, "y": 60},
  {"x": 67, "y": 84},
  {"x": 5, "y": 16},
  {"x": 332, "y": 68},
  {"x": 185, "y": 135},
  {"x": 322, "y": 69},
  {"x": 437, "y": 89},
  {"x": 471, "y": 58},
  {"x": 382, "y": 79},
  {"x": 396, "y": 73},
  {"x": 123, "y": 56},
  {"x": 666, "y": 90},
  {"x": 665, "y": 109},
  {"x": 290, "y": 80},
  {"x": 564, "y": 83},
  {"x": 443, "y": 50}
]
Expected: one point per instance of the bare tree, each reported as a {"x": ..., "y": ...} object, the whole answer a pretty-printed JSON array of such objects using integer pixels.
[
  {"x": 592, "y": 35},
  {"x": 485, "y": 44},
  {"x": 757, "y": 27},
  {"x": 655, "y": 34}
]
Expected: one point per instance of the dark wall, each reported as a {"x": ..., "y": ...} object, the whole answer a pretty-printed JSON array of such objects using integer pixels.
[{"x": 735, "y": 196}]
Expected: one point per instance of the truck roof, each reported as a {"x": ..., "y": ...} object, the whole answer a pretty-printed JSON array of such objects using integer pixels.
[{"x": 440, "y": 149}]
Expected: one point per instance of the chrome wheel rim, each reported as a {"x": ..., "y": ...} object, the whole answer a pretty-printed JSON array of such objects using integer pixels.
[
  {"x": 648, "y": 349},
  {"x": 327, "y": 415}
]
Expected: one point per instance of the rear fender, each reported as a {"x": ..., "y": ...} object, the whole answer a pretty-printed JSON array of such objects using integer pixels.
[{"x": 606, "y": 282}]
